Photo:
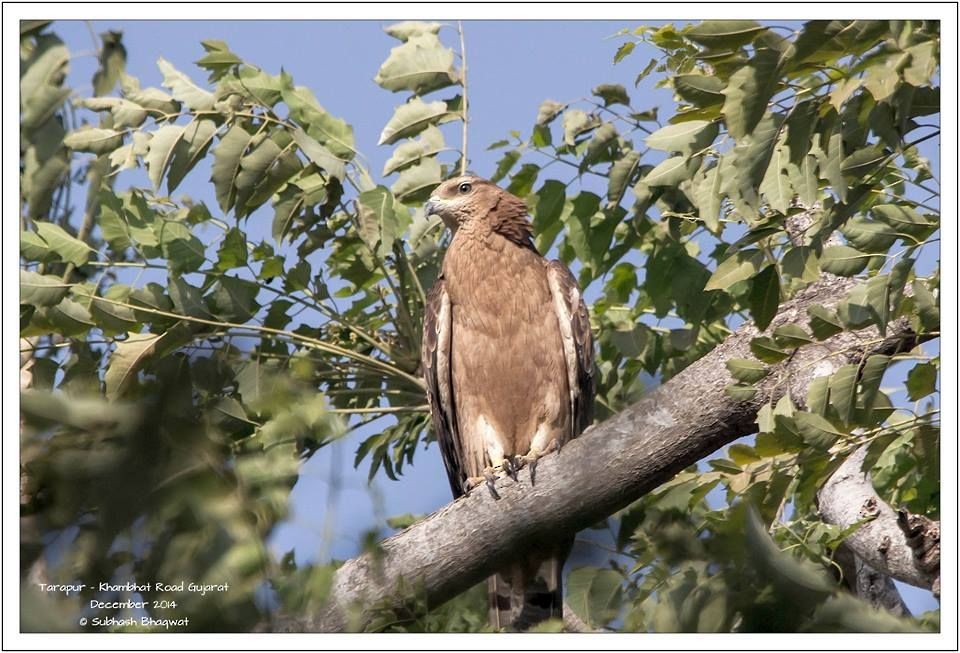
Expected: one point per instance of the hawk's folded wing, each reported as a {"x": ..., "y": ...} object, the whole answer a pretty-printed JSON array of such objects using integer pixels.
[
  {"x": 435, "y": 359},
  {"x": 574, "y": 323}
]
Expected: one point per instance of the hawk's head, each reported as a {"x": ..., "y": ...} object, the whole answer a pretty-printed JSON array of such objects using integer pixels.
[
  {"x": 469, "y": 200},
  {"x": 463, "y": 198}
]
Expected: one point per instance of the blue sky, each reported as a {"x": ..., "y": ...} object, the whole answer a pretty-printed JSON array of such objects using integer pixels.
[{"x": 512, "y": 66}]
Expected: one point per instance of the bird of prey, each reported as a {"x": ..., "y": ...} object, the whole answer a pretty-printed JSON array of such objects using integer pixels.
[{"x": 508, "y": 359}]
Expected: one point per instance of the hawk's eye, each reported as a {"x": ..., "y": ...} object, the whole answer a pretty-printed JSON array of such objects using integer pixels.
[{"x": 464, "y": 187}]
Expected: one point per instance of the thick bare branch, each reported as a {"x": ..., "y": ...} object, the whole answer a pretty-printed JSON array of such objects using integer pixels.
[
  {"x": 604, "y": 470},
  {"x": 869, "y": 584},
  {"x": 847, "y": 498}
]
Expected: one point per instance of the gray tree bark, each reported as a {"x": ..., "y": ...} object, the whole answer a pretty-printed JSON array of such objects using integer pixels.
[
  {"x": 881, "y": 543},
  {"x": 605, "y": 469}
]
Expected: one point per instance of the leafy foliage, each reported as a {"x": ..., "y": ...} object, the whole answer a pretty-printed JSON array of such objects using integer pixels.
[{"x": 167, "y": 412}]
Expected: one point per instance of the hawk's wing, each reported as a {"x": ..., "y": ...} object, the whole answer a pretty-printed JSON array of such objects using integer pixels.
[
  {"x": 435, "y": 359},
  {"x": 577, "y": 339}
]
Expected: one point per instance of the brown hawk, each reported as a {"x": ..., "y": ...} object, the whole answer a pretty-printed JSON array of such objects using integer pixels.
[{"x": 508, "y": 360}]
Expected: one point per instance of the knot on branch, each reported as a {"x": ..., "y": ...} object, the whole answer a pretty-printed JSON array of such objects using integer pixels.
[{"x": 923, "y": 538}]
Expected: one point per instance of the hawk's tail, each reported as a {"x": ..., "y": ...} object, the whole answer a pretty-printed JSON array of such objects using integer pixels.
[{"x": 527, "y": 592}]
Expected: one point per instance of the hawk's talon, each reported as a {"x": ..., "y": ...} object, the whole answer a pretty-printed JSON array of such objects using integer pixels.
[
  {"x": 512, "y": 465},
  {"x": 534, "y": 456},
  {"x": 491, "y": 474}
]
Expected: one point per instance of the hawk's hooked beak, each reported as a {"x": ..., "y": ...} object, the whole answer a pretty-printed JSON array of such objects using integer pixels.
[{"x": 432, "y": 207}]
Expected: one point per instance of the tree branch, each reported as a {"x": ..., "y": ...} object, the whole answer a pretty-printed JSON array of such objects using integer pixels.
[
  {"x": 867, "y": 583},
  {"x": 847, "y": 498},
  {"x": 605, "y": 469}
]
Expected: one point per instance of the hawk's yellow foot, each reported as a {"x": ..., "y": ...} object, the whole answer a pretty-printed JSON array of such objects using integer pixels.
[
  {"x": 490, "y": 476},
  {"x": 534, "y": 455}
]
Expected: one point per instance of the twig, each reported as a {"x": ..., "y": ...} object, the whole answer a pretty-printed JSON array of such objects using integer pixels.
[{"x": 463, "y": 81}]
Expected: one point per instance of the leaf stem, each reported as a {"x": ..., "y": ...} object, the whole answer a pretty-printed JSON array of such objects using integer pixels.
[{"x": 313, "y": 342}]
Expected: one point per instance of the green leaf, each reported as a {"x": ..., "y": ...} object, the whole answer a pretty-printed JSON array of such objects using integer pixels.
[
  {"x": 226, "y": 164},
  {"x": 112, "y": 317},
  {"x": 416, "y": 182},
  {"x": 905, "y": 220},
  {"x": 319, "y": 154},
  {"x": 218, "y": 60},
  {"x": 739, "y": 267},
  {"x": 430, "y": 143},
  {"x": 612, "y": 94},
  {"x": 791, "y": 336},
  {"x": 868, "y": 235},
  {"x": 818, "y": 395},
  {"x": 816, "y": 431},
  {"x": 767, "y": 350},
  {"x": 234, "y": 300},
  {"x": 863, "y": 162},
  {"x": 126, "y": 360},
  {"x": 380, "y": 221},
  {"x": 800, "y": 123},
  {"x": 192, "y": 147},
  {"x": 151, "y": 99},
  {"x": 577, "y": 122},
  {"x": 412, "y": 118},
  {"x": 824, "y": 323},
  {"x": 233, "y": 250},
  {"x": 41, "y": 289},
  {"x": 599, "y": 146},
  {"x": 33, "y": 247},
  {"x": 699, "y": 90},
  {"x": 801, "y": 263},
  {"x": 624, "y": 50},
  {"x": 921, "y": 381},
  {"x": 775, "y": 186},
  {"x": 843, "y": 261},
  {"x": 830, "y": 166},
  {"x": 547, "y": 220},
  {"x": 686, "y": 137},
  {"x": 160, "y": 152},
  {"x": 740, "y": 392},
  {"x": 420, "y": 65},
  {"x": 709, "y": 197},
  {"x": 746, "y": 370},
  {"x": 183, "y": 250},
  {"x": 749, "y": 91},
  {"x": 883, "y": 77},
  {"x": 742, "y": 454},
  {"x": 843, "y": 391},
  {"x": 621, "y": 176},
  {"x": 724, "y": 34},
  {"x": 335, "y": 134},
  {"x": 804, "y": 581},
  {"x": 870, "y": 378},
  {"x": 253, "y": 86},
  {"x": 722, "y": 464},
  {"x": 411, "y": 28},
  {"x": 124, "y": 112},
  {"x": 764, "y": 298},
  {"x": 70, "y": 249},
  {"x": 69, "y": 318},
  {"x": 752, "y": 156},
  {"x": 896, "y": 282},
  {"x": 594, "y": 594},
  {"x": 93, "y": 139},
  {"x": 184, "y": 89},
  {"x": 926, "y": 306},
  {"x": 669, "y": 172},
  {"x": 549, "y": 109},
  {"x": 505, "y": 164}
]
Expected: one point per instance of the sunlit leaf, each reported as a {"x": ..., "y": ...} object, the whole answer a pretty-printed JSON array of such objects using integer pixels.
[{"x": 184, "y": 89}]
